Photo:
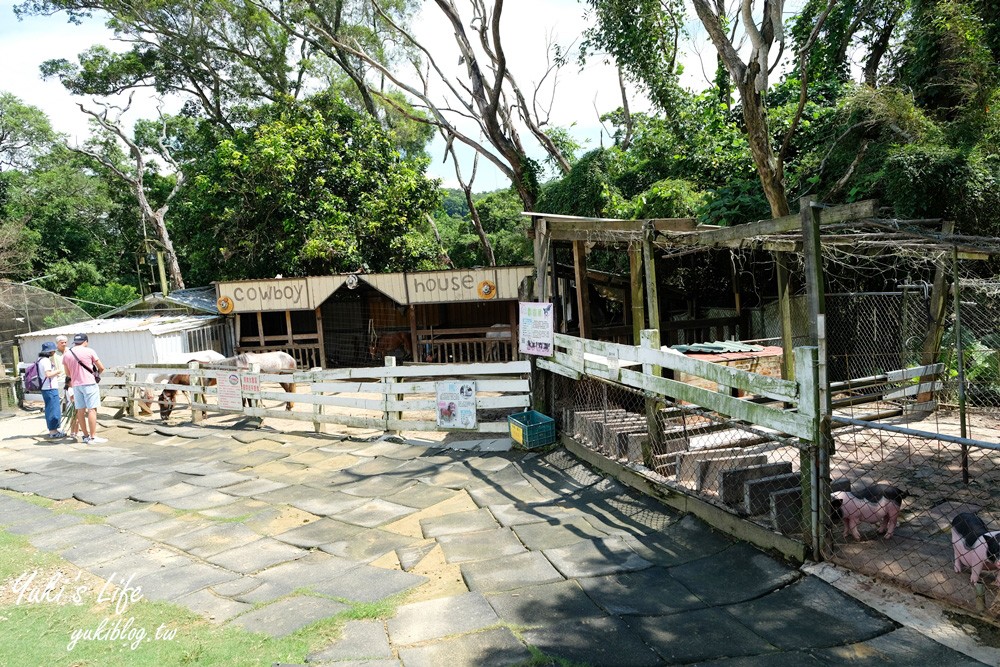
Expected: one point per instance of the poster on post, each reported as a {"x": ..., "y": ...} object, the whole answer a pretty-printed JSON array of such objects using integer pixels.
[
  {"x": 456, "y": 404},
  {"x": 230, "y": 392},
  {"x": 535, "y": 329}
]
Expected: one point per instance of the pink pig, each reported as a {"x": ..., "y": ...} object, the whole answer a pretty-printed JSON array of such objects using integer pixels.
[
  {"x": 974, "y": 546},
  {"x": 854, "y": 510}
]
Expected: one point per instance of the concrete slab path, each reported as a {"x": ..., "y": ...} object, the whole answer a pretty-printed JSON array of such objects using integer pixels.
[{"x": 498, "y": 558}]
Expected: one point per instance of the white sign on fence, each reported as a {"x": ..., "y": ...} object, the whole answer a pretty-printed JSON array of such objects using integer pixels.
[
  {"x": 250, "y": 382},
  {"x": 456, "y": 404},
  {"x": 535, "y": 329},
  {"x": 230, "y": 396}
]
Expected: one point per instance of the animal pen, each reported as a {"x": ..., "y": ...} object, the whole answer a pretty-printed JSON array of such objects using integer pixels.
[{"x": 899, "y": 385}]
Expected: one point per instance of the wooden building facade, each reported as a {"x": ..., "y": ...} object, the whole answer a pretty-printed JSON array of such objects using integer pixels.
[{"x": 462, "y": 315}]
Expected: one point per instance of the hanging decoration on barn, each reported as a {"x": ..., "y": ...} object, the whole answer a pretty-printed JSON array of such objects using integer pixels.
[
  {"x": 225, "y": 305},
  {"x": 487, "y": 289},
  {"x": 456, "y": 404}
]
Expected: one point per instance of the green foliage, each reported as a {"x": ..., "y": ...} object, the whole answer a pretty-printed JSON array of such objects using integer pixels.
[
  {"x": 669, "y": 198},
  {"x": 734, "y": 204},
  {"x": 99, "y": 299},
  {"x": 500, "y": 214},
  {"x": 588, "y": 189},
  {"x": 947, "y": 59},
  {"x": 311, "y": 188},
  {"x": 25, "y": 133},
  {"x": 642, "y": 36}
]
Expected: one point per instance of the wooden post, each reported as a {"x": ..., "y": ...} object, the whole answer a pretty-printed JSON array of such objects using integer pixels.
[
  {"x": 390, "y": 362},
  {"x": 812, "y": 248},
  {"x": 540, "y": 380},
  {"x": 515, "y": 333},
  {"x": 322, "y": 337},
  {"x": 650, "y": 338},
  {"x": 317, "y": 408},
  {"x": 256, "y": 402},
  {"x": 785, "y": 313},
  {"x": 131, "y": 405},
  {"x": 582, "y": 288},
  {"x": 637, "y": 293},
  {"x": 814, "y": 502},
  {"x": 931, "y": 348},
  {"x": 649, "y": 272},
  {"x": 411, "y": 312},
  {"x": 196, "y": 392}
]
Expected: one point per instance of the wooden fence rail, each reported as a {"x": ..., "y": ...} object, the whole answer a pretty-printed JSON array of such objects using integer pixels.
[{"x": 393, "y": 398}]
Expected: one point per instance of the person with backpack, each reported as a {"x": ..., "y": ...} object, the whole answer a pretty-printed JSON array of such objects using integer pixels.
[
  {"x": 46, "y": 380},
  {"x": 84, "y": 369}
]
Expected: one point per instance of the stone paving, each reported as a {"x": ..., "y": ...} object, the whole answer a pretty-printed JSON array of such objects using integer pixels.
[{"x": 272, "y": 531}]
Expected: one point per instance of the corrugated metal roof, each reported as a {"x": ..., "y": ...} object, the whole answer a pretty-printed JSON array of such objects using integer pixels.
[
  {"x": 196, "y": 298},
  {"x": 717, "y": 347},
  {"x": 154, "y": 324}
]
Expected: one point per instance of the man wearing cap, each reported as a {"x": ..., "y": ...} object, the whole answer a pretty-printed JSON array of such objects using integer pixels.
[
  {"x": 50, "y": 389},
  {"x": 81, "y": 362}
]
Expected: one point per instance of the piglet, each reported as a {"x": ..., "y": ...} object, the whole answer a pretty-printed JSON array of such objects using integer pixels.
[
  {"x": 973, "y": 545},
  {"x": 879, "y": 504}
]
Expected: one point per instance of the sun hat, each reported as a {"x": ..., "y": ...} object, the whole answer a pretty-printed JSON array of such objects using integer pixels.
[{"x": 48, "y": 347}]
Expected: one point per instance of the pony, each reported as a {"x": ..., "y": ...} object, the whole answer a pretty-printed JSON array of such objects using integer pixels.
[
  {"x": 396, "y": 344},
  {"x": 268, "y": 362},
  {"x": 147, "y": 394}
]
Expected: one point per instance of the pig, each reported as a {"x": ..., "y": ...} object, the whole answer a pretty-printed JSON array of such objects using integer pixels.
[
  {"x": 878, "y": 504},
  {"x": 974, "y": 545}
]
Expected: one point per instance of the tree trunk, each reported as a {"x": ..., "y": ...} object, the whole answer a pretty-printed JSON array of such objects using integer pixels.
[
  {"x": 769, "y": 165},
  {"x": 173, "y": 268}
]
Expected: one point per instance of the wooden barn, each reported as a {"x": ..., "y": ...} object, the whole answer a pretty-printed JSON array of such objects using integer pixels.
[{"x": 460, "y": 315}]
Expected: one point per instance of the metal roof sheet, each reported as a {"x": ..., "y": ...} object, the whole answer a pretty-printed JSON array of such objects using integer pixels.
[{"x": 154, "y": 324}]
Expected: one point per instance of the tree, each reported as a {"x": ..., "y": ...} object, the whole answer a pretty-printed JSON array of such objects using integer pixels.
[
  {"x": 308, "y": 188},
  {"x": 135, "y": 177},
  {"x": 487, "y": 93},
  {"x": 25, "y": 133}
]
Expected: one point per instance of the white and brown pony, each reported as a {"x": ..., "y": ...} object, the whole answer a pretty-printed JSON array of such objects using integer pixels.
[
  {"x": 268, "y": 362},
  {"x": 147, "y": 394}
]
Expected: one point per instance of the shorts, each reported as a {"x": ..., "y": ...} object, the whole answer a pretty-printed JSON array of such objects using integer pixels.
[{"x": 87, "y": 397}]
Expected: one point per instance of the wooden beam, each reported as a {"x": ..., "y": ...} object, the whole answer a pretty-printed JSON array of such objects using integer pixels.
[{"x": 734, "y": 236}]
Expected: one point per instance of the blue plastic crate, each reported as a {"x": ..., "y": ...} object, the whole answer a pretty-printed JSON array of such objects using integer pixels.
[{"x": 532, "y": 429}]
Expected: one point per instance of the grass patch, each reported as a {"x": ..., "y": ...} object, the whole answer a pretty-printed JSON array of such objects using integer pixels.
[{"x": 145, "y": 633}]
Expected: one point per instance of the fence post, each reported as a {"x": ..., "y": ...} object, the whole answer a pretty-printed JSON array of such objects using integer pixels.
[
  {"x": 317, "y": 408},
  {"x": 650, "y": 339},
  {"x": 196, "y": 393},
  {"x": 131, "y": 405},
  {"x": 813, "y": 478},
  {"x": 390, "y": 362}
]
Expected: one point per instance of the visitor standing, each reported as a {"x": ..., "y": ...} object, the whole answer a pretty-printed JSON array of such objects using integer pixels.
[
  {"x": 63, "y": 384},
  {"x": 49, "y": 375},
  {"x": 82, "y": 366}
]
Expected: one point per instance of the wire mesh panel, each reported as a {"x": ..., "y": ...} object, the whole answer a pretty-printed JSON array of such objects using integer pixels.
[
  {"x": 909, "y": 540},
  {"x": 748, "y": 471}
]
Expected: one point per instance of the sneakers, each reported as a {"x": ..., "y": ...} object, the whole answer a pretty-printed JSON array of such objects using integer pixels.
[
  {"x": 58, "y": 435},
  {"x": 94, "y": 440}
]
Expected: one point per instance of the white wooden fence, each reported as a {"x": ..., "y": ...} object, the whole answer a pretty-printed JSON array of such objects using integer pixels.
[{"x": 391, "y": 398}]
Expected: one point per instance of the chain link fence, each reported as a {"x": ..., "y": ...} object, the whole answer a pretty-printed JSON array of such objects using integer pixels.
[{"x": 937, "y": 441}]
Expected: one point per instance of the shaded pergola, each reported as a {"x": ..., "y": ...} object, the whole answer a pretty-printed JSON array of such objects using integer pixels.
[{"x": 852, "y": 229}]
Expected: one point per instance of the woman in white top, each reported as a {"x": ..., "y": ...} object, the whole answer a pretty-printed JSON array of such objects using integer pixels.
[{"x": 50, "y": 389}]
